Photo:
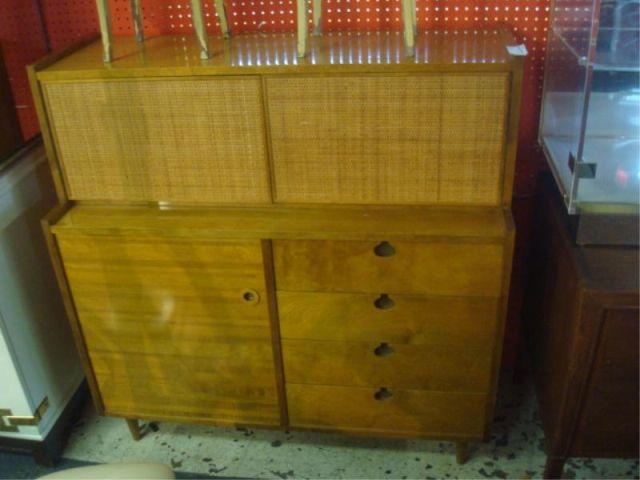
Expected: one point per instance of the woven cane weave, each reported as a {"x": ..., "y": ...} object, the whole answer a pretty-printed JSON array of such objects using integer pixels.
[
  {"x": 388, "y": 139},
  {"x": 176, "y": 140}
]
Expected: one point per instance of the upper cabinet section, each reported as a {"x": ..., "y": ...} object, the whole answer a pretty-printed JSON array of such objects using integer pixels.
[
  {"x": 173, "y": 139},
  {"x": 353, "y": 123}
]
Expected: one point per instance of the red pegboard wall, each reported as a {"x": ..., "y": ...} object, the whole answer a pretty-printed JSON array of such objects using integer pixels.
[{"x": 22, "y": 43}]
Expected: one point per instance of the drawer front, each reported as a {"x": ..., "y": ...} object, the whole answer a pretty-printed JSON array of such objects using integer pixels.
[
  {"x": 412, "y": 319},
  {"x": 185, "y": 140},
  {"x": 157, "y": 266},
  {"x": 459, "y": 269},
  {"x": 438, "y": 414},
  {"x": 382, "y": 139},
  {"x": 175, "y": 328},
  {"x": 234, "y": 383},
  {"x": 443, "y": 367}
]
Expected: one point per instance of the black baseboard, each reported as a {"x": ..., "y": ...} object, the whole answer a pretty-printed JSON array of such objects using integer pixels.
[{"x": 48, "y": 451}]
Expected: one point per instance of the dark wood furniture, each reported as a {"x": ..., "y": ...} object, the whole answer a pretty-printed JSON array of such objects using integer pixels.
[
  {"x": 10, "y": 135},
  {"x": 583, "y": 333}
]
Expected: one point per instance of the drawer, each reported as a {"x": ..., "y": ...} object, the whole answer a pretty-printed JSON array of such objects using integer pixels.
[
  {"x": 172, "y": 139},
  {"x": 358, "y": 409},
  {"x": 98, "y": 265},
  {"x": 459, "y": 269},
  {"x": 412, "y": 319},
  {"x": 463, "y": 368},
  {"x": 232, "y": 383}
]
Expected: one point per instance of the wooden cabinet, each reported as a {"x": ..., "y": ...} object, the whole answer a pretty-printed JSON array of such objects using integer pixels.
[
  {"x": 318, "y": 244},
  {"x": 180, "y": 321},
  {"x": 583, "y": 333}
]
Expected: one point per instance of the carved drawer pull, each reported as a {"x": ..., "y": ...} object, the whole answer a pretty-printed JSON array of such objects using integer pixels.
[
  {"x": 250, "y": 296},
  {"x": 383, "y": 350},
  {"x": 383, "y": 302},
  {"x": 382, "y": 394},
  {"x": 384, "y": 249}
]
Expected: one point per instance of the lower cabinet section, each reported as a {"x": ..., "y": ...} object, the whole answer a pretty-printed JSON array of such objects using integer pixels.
[
  {"x": 388, "y": 411},
  {"x": 227, "y": 317}
]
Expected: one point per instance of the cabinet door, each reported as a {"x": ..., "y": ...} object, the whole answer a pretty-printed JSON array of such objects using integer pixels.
[
  {"x": 388, "y": 139},
  {"x": 175, "y": 328},
  {"x": 608, "y": 422},
  {"x": 181, "y": 140}
]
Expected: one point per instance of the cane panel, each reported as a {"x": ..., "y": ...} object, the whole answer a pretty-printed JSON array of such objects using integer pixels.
[
  {"x": 161, "y": 140},
  {"x": 388, "y": 139}
]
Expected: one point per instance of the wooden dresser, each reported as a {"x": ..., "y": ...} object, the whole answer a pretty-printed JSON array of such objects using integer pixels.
[
  {"x": 583, "y": 330},
  {"x": 258, "y": 239}
]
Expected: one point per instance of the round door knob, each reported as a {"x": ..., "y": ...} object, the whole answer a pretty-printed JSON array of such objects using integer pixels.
[
  {"x": 250, "y": 296},
  {"x": 383, "y": 350},
  {"x": 384, "y": 249},
  {"x": 382, "y": 394}
]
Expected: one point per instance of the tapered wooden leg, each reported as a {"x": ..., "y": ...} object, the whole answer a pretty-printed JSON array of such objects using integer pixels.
[
  {"x": 554, "y": 467},
  {"x": 134, "y": 428},
  {"x": 462, "y": 453}
]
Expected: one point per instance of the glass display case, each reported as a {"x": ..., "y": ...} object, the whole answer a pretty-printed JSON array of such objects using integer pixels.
[{"x": 590, "y": 123}]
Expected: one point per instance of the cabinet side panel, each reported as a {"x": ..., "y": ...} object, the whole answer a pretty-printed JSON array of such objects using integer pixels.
[{"x": 405, "y": 412}]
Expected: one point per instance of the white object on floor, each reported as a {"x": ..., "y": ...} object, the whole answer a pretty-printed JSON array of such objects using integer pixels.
[
  {"x": 115, "y": 471},
  {"x": 37, "y": 357}
]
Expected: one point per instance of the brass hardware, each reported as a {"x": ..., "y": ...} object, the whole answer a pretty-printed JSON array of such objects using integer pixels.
[
  {"x": 383, "y": 393},
  {"x": 222, "y": 16},
  {"x": 200, "y": 26},
  {"x": 384, "y": 249},
  {"x": 5, "y": 426},
  {"x": 408, "y": 21},
  {"x": 383, "y": 302},
  {"x": 10, "y": 422},
  {"x": 105, "y": 29},
  {"x": 136, "y": 14},
  {"x": 582, "y": 169},
  {"x": 251, "y": 296},
  {"x": 317, "y": 17},
  {"x": 383, "y": 350},
  {"x": 303, "y": 26}
]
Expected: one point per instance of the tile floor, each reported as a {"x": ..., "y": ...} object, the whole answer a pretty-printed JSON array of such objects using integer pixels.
[{"x": 514, "y": 450}]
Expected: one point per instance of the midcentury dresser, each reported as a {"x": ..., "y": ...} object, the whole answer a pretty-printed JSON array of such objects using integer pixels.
[{"x": 257, "y": 239}]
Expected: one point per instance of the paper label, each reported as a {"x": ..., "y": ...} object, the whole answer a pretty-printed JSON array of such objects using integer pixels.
[{"x": 517, "y": 50}]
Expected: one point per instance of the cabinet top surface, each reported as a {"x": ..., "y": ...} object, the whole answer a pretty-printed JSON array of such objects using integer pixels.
[
  {"x": 459, "y": 50},
  {"x": 343, "y": 222}
]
